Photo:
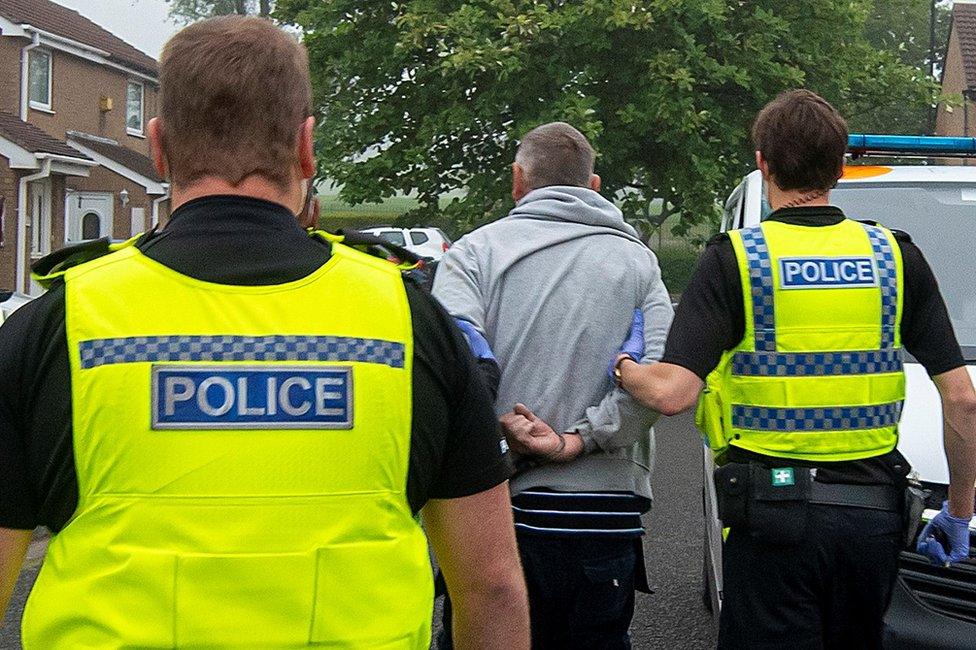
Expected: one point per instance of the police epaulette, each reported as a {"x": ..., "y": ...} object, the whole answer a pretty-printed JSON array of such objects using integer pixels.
[
  {"x": 717, "y": 239},
  {"x": 372, "y": 245},
  {"x": 50, "y": 268},
  {"x": 900, "y": 235}
]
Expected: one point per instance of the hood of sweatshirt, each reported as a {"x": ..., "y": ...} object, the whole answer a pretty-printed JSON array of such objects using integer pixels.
[{"x": 578, "y": 205}]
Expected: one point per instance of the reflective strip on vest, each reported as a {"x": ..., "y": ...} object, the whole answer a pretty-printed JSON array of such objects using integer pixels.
[
  {"x": 816, "y": 364},
  {"x": 761, "y": 278},
  {"x": 143, "y": 349},
  {"x": 816, "y": 419},
  {"x": 887, "y": 275}
]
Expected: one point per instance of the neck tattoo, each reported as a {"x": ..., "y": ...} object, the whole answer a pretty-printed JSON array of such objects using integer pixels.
[{"x": 806, "y": 198}]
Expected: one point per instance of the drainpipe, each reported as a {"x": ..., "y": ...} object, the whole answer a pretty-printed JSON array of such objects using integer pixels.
[
  {"x": 24, "y": 72},
  {"x": 22, "y": 223},
  {"x": 155, "y": 208},
  {"x": 967, "y": 98}
]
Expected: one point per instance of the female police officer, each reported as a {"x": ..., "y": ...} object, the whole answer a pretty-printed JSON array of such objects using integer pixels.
[{"x": 794, "y": 329}]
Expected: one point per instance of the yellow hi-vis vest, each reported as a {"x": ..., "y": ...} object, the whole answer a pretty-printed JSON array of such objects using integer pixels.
[
  {"x": 242, "y": 458},
  {"x": 818, "y": 374}
]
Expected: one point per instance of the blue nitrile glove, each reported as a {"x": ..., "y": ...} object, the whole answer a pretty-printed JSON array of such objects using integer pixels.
[
  {"x": 633, "y": 347},
  {"x": 956, "y": 531},
  {"x": 479, "y": 346}
]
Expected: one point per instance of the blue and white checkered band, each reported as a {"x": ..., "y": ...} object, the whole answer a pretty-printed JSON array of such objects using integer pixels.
[
  {"x": 152, "y": 349},
  {"x": 761, "y": 287},
  {"x": 816, "y": 364},
  {"x": 888, "y": 279},
  {"x": 799, "y": 420}
]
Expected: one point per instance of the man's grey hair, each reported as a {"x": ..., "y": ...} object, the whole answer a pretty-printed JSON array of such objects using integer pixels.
[{"x": 555, "y": 154}]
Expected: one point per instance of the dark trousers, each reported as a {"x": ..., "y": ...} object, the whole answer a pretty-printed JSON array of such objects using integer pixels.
[
  {"x": 581, "y": 592},
  {"x": 829, "y": 591}
]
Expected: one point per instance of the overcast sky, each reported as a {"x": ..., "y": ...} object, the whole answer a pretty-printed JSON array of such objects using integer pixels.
[{"x": 143, "y": 23}]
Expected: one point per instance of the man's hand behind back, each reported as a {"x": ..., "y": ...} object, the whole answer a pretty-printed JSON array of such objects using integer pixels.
[{"x": 529, "y": 435}]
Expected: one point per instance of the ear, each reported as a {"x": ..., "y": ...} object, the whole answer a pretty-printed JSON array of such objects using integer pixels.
[
  {"x": 306, "y": 148},
  {"x": 595, "y": 182},
  {"x": 520, "y": 186},
  {"x": 762, "y": 165},
  {"x": 155, "y": 131}
]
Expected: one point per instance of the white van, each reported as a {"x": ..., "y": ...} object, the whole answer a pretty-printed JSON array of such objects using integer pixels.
[{"x": 936, "y": 205}]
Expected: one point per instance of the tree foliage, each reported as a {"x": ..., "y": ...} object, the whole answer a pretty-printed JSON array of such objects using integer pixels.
[
  {"x": 188, "y": 11},
  {"x": 904, "y": 27},
  {"x": 430, "y": 96}
]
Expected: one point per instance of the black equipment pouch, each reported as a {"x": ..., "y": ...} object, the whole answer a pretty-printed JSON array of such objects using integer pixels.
[
  {"x": 732, "y": 492},
  {"x": 915, "y": 498},
  {"x": 771, "y": 503},
  {"x": 779, "y": 503}
]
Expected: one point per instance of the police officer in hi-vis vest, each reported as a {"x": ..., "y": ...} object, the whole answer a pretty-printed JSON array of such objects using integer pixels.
[
  {"x": 795, "y": 330},
  {"x": 230, "y": 425}
]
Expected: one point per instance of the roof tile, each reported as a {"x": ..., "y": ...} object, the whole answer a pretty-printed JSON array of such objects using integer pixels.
[
  {"x": 126, "y": 157},
  {"x": 964, "y": 23},
  {"x": 33, "y": 139},
  {"x": 52, "y": 17}
]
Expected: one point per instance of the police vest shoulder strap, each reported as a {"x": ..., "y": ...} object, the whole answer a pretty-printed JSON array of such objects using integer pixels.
[
  {"x": 51, "y": 268},
  {"x": 404, "y": 259}
]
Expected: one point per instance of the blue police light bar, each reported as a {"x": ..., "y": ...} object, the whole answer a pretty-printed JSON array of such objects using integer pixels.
[{"x": 910, "y": 145}]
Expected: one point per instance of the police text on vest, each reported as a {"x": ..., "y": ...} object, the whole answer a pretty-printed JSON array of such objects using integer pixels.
[
  {"x": 827, "y": 272},
  {"x": 251, "y": 397}
]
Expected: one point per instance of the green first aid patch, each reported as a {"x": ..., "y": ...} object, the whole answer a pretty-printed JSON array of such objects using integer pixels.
[{"x": 782, "y": 476}]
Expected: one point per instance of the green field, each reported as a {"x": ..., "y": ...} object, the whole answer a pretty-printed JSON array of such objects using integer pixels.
[{"x": 337, "y": 214}]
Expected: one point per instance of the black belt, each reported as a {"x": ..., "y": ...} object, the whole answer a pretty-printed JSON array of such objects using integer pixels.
[{"x": 872, "y": 497}]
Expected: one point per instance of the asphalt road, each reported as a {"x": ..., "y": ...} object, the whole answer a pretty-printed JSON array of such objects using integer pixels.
[{"x": 672, "y": 617}]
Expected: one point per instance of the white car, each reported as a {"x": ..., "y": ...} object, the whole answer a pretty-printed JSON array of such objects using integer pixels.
[
  {"x": 425, "y": 242},
  {"x": 9, "y": 305},
  {"x": 932, "y": 607}
]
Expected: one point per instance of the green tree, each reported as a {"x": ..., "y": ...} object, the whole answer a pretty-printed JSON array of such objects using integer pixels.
[
  {"x": 905, "y": 28},
  {"x": 188, "y": 11},
  {"x": 430, "y": 96}
]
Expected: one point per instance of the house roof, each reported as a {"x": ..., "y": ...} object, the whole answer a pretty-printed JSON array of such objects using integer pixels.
[
  {"x": 68, "y": 23},
  {"x": 29, "y": 137},
  {"x": 964, "y": 24},
  {"x": 124, "y": 156}
]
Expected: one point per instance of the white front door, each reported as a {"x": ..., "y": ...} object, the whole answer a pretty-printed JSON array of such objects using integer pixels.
[{"x": 89, "y": 216}]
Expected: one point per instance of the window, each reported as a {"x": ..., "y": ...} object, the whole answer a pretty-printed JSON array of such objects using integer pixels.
[
  {"x": 418, "y": 238},
  {"x": 394, "y": 237},
  {"x": 39, "y": 79},
  {"x": 133, "y": 108},
  {"x": 91, "y": 226},
  {"x": 939, "y": 218}
]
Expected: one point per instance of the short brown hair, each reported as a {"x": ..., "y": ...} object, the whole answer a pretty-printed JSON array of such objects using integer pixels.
[
  {"x": 555, "y": 154},
  {"x": 234, "y": 92},
  {"x": 803, "y": 139}
]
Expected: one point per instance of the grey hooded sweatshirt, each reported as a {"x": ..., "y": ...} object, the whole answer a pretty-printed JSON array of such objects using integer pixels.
[{"x": 553, "y": 287}]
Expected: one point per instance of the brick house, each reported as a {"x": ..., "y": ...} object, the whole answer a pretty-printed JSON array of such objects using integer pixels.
[
  {"x": 74, "y": 158},
  {"x": 959, "y": 73}
]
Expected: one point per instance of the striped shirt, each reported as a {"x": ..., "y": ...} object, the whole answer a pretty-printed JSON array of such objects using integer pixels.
[{"x": 579, "y": 514}]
